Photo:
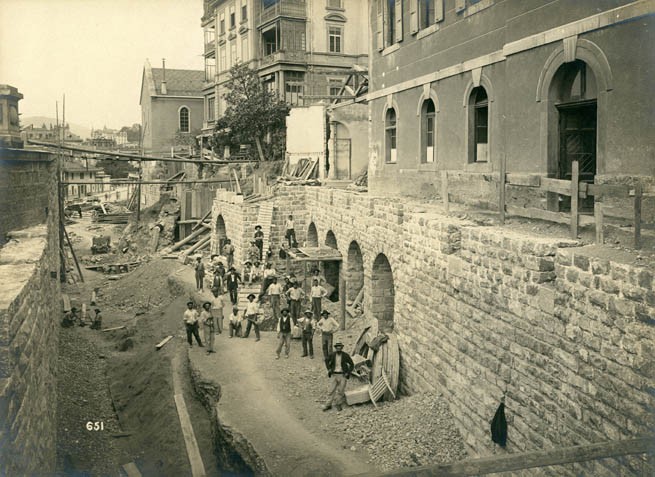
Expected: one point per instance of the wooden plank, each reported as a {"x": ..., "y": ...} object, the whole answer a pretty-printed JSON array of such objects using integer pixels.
[
  {"x": 444, "y": 190},
  {"x": 70, "y": 245},
  {"x": 114, "y": 328},
  {"x": 67, "y": 302},
  {"x": 608, "y": 190},
  {"x": 558, "y": 186},
  {"x": 501, "y": 190},
  {"x": 584, "y": 220},
  {"x": 598, "y": 216},
  {"x": 163, "y": 342},
  {"x": 575, "y": 180},
  {"x": 532, "y": 213},
  {"x": 131, "y": 470},
  {"x": 527, "y": 460},
  {"x": 201, "y": 221},
  {"x": 638, "y": 196},
  {"x": 197, "y": 467},
  {"x": 618, "y": 213},
  {"x": 526, "y": 180}
]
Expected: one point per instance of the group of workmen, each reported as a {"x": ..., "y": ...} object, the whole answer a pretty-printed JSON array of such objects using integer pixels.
[
  {"x": 290, "y": 322},
  {"x": 75, "y": 317}
]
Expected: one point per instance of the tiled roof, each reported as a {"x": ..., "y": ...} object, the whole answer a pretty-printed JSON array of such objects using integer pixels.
[
  {"x": 75, "y": 167},
  {"x": 179, "y": 82}
]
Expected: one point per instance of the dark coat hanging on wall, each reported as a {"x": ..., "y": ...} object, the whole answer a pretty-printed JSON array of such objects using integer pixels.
[{"x": 499, "y": 426}]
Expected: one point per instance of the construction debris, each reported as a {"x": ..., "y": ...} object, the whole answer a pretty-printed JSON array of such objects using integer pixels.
[
  {"x": 115, "y": 328},
  {"x": 304, "y": 172},
  {"x": 163, "y": 342}
]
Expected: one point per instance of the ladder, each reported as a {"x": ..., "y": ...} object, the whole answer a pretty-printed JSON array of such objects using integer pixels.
[{"x": 265, "y": 219}]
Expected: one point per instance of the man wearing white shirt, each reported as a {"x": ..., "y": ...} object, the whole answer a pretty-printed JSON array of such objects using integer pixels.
[
  {"x": 217, "y": 304},
  {"x": 274, "y": 291},
  {"x": 190, "y": 319},
  {"x": 328, "y": 327},
  {"x": 317, "y": 293},
  {"x": 252, "y": 315},
  {"x": 283, "y": 334}
]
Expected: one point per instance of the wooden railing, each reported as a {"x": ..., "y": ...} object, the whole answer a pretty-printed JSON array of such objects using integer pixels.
[
  {"x": 575, "y": 190},
  {"x": 530, "y": 460}
]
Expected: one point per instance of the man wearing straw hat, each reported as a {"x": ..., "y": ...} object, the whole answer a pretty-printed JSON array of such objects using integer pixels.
[
  {"x": 339, "y": 366},
  {"x": 207, "y": 319}
]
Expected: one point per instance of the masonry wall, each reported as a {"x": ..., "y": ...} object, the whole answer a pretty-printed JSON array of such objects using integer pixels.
[
  {"x": 483, "y": 313},
  {"x": 24, "y": 179},
  {"x": 29, "y": 321}
]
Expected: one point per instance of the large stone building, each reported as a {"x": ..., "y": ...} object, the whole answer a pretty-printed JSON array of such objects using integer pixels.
[
  {"x": 560, "y": 332},
  {"x": 461, "y": 85},
  {"x": 301, "y": 49}
]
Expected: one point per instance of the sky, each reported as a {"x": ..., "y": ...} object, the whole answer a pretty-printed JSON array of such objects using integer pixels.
[{"x": 93, "y": 51}]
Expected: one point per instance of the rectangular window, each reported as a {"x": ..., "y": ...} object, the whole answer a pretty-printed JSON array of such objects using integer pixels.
[
  {"x": 210, "y": 69},
  {"x": 222, "y": 59},
  {"x": 233, "y": 20},
  {"x": 335, "y": 37},
  {"x": 210, "y": 36},
  {"x": 335, "y": 3},
  {"x": 390, "y": 21},
  {"x": 293, "y": 87},
  {"x": 334, "y": 87},
  {"x": 244, "y": 13},
  {"x": 245, "y": 54},
  {"x": 426, "y": 13},
  {"x": 481, "y": 133},
  {"x": 2, "y": 115},
  {"x": 211, "y": 108},
  {"x": 222, "y": 23}
]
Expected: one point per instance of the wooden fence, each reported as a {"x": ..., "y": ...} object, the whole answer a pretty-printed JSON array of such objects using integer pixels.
[{"x": 576, "y": 190}]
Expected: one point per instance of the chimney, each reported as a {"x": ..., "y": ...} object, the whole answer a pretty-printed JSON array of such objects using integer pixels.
[{"x": 163, "y": 81}]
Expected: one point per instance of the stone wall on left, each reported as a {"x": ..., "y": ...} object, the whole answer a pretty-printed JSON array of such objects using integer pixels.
[{"x": 30, "y": 297}]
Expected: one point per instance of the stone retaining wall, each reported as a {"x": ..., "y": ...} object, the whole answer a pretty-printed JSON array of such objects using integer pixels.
[{"x": 484, "y": 313}]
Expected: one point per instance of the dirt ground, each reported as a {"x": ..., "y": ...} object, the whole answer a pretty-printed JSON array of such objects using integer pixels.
[{"x": 118, "y": 378}]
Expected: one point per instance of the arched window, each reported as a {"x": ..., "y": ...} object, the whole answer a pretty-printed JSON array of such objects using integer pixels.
[
  {"x": 478, "y": 125},
  {"x": 390, "y": 135},
  {"x": 184, "y": 119},
  {"x": 428, "y": 131}
]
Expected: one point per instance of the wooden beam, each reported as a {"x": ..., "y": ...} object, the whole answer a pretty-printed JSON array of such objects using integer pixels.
[
  {"x": 527, "y": 180},
  {"x": 598, "y": 216},
  {"x": 501, "y": 195},
  {"x": 66, "y": 301},
  {"x": 70, "y": 245},
  {"x": 575, "y": 180},
  {"x": 163, "y": 342},
  {"x": 131, "y": 469},
  {"x": 114, "y": 328},
  {"x": 638, "y": 195},
  {"x": 608, "y": 190},
  {"x": 200, "y": 222},
  {"x": 557, "y": 186},
  {"x": 197, "y": 181},
  {"x": 533, "y": 213},
  {"x": 197, "y": 467},
  {"x": 527, "y": 460}
]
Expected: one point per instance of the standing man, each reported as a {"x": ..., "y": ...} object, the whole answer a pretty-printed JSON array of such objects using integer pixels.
[
  {"x": 274, "y": 292},
  {"x": 259, "y": 240},
  {"x": 97, "y": 320},
  {"x": 253, "y": 253},
  {"x": 283, "y": 334},
  {"x": 217, "y": 310},
  {"x": 268, "y": 275},
  {"x": 307, "y": 325},
  {"x": 328, "y": 327},
  {"x": 295, "y": 295},
  {"x": 252, "y": 315},
  {"x": 232, "y": 280},
  {"x": 317, "y": 293},
  {"x": 228, "y": 251},
  {"x": 290, "y": 233},
  {"x": 200, "y": 274},
  {"x": 191, "y": 323},
  {"x": 339, "y": 366},
  {"x": 207, "y": 320}
]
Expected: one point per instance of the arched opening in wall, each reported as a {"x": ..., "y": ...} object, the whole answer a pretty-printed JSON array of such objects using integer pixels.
[
  {"x": 221, "y": 234},
  {"x": 573, "y": 94},
  {"x": 382, "y": 293},
  {"x": 355, "y": 274},
  {"x": 331, "y": 269},
  {"x": 312, "y": 235}
]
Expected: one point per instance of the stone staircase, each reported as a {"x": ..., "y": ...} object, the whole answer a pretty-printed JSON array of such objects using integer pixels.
[{"x": 265, "y": 219}]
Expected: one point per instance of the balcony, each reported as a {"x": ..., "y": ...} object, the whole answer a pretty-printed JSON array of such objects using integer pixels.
[
  {"x": 282, "y": 8},
  {"x": 282, "y": 56}
]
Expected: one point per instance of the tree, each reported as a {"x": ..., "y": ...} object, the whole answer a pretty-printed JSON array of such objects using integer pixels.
[
  {"x": 252, "y": 115},
  {"x": 133, "y": 132}
]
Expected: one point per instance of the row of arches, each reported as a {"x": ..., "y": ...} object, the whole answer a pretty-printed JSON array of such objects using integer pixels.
[{"x": 381, "y": 303}]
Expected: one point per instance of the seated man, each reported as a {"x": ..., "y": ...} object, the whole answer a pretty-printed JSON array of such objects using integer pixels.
[{"x": 248, "y": 272}]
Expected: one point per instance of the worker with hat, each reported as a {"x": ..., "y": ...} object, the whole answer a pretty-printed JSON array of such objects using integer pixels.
[
  {"x": 252, "y": 315},
  {"x": 207, "y": 319},
  {"x": 307, "y": 337},
  {"x": 283, "y": 333},
  {"x": 97, "y": 320},
  {"x": 259, "y": 240},
  {"x": 232, "y": 280},
  {"x": 328, "y": 326},
  {"x": 339, "y": 366},
  {"x": 190, "y": 319}
]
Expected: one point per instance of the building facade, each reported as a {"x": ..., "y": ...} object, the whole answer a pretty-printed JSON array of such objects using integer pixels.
[
  {"x": 462, "y": 85},
  {"x": 77, "y": 172},
  {"x": 302, "y": 50}
]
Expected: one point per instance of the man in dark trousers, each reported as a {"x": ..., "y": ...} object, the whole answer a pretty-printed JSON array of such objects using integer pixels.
[
  {"x": 190, "y": 319},
  {"x": 259, "y": 240},
  {"x": 200, "y": 274},
  {"x": 283, "y": 334},
  {"x": 307, "y": 326},
  {"x": 232, "y": 280},
  {"x": 339, "y": 366}
]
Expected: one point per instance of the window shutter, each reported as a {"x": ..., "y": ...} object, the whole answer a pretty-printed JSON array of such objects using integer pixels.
[
  {"x": 413, "y": 16},
  {"x": 438, "y": 13},
  {"x": 379, "y": 26},
  {"x": 460, "y": 5},
  {"x": 399, "y": 21}
]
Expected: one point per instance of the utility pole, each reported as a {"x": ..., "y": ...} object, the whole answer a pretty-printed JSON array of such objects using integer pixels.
[
  {"x": 138, "y": 191},
  {"x": 60, "y": 204}
]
